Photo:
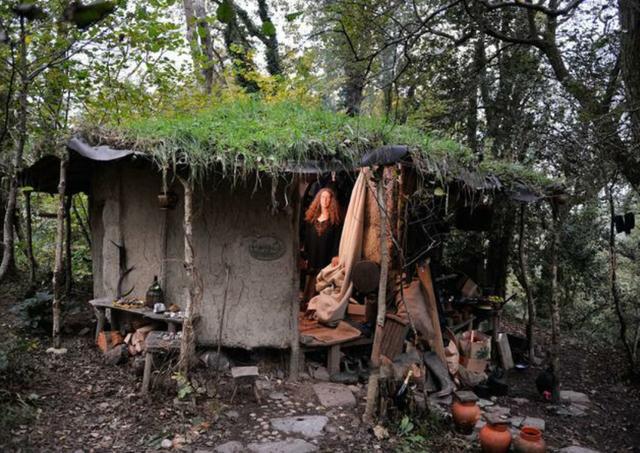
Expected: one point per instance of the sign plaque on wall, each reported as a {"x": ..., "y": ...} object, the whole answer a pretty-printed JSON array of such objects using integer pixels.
[{"x": 266, "y": 248}]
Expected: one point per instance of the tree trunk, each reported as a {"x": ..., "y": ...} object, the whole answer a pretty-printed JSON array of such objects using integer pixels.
[
  {"x": 524, "y": 281},
  {"x": 555, "y": 305},
  {"x": 630, "y": 55},
  {"x": 615, "y": 290},
  {"x": 500, "y": 242},
  {"x": 58, "y": 269},
  {"x": 68, "y": 267},
  {"x": 29, "y": 237},
  {"x": 194, "y": 293},
  {"x": 8, "y": 249}
]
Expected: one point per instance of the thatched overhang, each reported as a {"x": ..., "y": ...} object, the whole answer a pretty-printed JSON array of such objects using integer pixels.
[{"x": 248, "y": 136}]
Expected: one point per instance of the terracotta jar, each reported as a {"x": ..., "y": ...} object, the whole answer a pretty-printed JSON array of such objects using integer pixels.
[
  {"x": 465, "y": 414},
  {"x": 495, "y": 438},
  {"x": 529, "y": 441}
]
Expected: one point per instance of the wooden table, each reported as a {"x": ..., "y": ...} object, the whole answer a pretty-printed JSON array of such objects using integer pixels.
[
  {"x": 100, "y": 307},
  {"x": 157, "y": 343}
]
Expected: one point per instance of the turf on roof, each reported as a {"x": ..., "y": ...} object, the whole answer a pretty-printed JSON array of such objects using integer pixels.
[{"x": 253, "y": 135}]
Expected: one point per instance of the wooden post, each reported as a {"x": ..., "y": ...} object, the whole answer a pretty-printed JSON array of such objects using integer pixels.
[
  {"x": 374, "y": 377},
  {"x": 58, "y": 264},
  {"x": 294, "y": 359},
  {"x": 194, "y": 293},
  {"x": 29, "y": 236}
]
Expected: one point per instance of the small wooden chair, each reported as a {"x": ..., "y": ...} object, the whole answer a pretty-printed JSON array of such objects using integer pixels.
[{"x": 245, "y": 375}]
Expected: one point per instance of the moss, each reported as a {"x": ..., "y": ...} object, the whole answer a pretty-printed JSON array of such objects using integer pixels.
[{"x": 246, "y": 134}]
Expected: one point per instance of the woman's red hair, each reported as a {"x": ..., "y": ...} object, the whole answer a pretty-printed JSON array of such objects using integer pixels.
[{"x": 314, "y": 210}]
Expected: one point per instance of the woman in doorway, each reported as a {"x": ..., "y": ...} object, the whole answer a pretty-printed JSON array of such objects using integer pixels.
[{"x": 321, "y": 237}]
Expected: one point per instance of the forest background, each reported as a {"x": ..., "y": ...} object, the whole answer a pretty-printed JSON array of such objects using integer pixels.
[{"x": 553, "y": 85}]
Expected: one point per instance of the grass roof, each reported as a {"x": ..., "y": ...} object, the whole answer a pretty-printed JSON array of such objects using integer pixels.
[{"x": 254, "y": 135}]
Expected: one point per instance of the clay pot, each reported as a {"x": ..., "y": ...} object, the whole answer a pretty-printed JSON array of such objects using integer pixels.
[
  {"x": 495, "y": 438},
  {"x": 529, "y": 441},
  {"x": 465, "y": 415}
]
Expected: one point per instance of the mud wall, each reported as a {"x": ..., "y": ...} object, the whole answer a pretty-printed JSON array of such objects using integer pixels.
[{"x": 227, "y": 223}]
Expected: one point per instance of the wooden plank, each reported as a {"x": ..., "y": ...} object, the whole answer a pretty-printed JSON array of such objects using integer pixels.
[
  {"x": 504, "y": 350},
  {"x": 424, "y": 275}
]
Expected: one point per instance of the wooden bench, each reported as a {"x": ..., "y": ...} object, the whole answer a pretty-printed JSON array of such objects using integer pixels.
[{"x": 100, "y": 307}]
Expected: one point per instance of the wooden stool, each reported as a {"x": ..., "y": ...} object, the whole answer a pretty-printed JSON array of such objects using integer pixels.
[
  {"x": 154, "y": 343},
  {"x": 245, "y": 375}
]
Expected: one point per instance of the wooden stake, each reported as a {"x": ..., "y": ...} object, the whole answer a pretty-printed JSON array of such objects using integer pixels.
[
  {"x": 194, "y": 293},
  {"x": 372, "y": 387},
  {"x": 294, "y": 359},
  {"x": 58, "y": 269}
]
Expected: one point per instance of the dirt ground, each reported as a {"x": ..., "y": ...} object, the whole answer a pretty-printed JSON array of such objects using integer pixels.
[{"x": 82, "y": 404}]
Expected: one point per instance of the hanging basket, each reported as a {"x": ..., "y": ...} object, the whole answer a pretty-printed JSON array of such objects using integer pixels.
[{"x": 167, "y": 200}]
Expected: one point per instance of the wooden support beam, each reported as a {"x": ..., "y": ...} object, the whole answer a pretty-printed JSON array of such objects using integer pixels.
[{"x": 424, "y": 275}]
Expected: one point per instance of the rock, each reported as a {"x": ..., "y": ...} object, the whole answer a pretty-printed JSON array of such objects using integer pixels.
[
  {"x": 117, "y": 355},
  {"x": 306, "y": 425},
  {"x": 230, "y": 447},
  {"x": 533, "y": 422},
  {"x": 484, "y": 403},
  {"x": 333, "y": 395},
  {"x": 516, "y": 421},
  {"x": 380, "y": 432},
  {"x": 57, "y": 351},
  {"x": 321, "y": 374},
  {"x": 574, "y": 397},
  {"x": 577, "y": 449},
  {"x": 572, "y": 410},
  {"x": 216, "y": 361},
  {"x": 84, "y": 331},
  {"x": 479, "y": 425},
  {"x": 520, "y": 400},
  {"x": 166, "y": 443},
  {"x": 498, "y": 410},
  {"x": 277, "y": 396},
  {"x": 233, "y": 415},
  {"x": 282, "y": 446}
]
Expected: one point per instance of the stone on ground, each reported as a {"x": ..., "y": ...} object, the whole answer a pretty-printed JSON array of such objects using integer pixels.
[
  {"x": 57, "y": 351},
  {"x": 576, "y": 449},
  {"x": 533, "y": 422},
  {"x": 306, "y": 425},
  {"x": 334, "y": 395},
  {"x": 283, "y": 446},
  {"x": 574, "y": 397},
  {"x": 230, "y": 447}
]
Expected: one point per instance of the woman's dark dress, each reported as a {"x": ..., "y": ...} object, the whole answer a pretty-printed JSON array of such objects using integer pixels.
[{"x": 321, "y": 242}]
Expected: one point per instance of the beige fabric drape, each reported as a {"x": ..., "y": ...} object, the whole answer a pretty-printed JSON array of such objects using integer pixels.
[{"x": 334, "y": 282}]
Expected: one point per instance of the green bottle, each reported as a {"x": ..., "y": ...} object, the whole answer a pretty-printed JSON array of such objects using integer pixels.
[{"x": 154, "y": 293}]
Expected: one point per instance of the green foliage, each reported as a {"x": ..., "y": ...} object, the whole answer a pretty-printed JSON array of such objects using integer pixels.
[
  {"x": 34, "y": 313},
  {"x": 184, "y": 385}
]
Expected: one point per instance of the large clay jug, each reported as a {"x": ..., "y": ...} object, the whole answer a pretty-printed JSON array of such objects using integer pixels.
[
  {"x": 529, "y": 441},
  {"x": 495, "y": 438},
  {"x": 465, "y": 415}
]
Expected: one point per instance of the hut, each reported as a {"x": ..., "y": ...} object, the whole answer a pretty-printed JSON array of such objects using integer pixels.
[{"x": 248, "y": 163}]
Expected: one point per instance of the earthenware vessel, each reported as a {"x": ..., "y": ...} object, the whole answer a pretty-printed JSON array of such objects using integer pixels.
[
  {"x": 495, "y": 437},
  {"x": 465, "y": 411},
  {"x": 529, "y": 441}
]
